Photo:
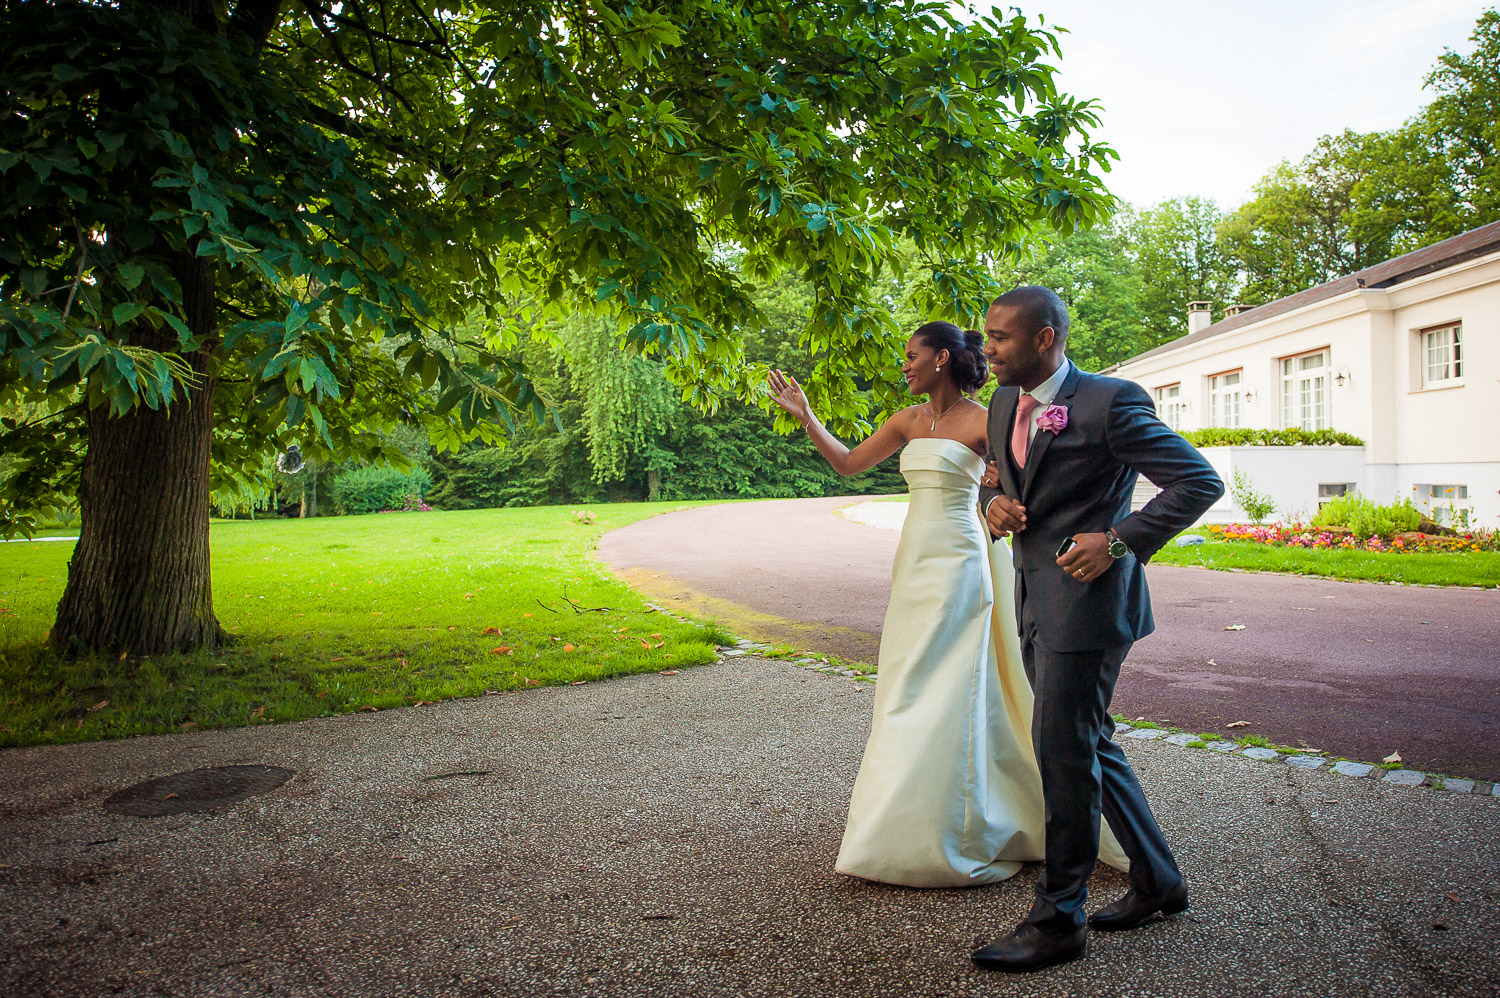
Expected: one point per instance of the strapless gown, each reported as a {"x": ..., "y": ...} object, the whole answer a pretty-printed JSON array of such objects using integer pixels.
[{"x": 948, "y": 792}]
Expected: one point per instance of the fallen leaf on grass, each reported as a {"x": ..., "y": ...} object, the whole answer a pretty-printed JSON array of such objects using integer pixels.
[
  {"x": 670, "y": 672},
  {"x": 1393, "y": 757},
  {"x": 502, "y": 650},
  {"x": 656, "y": 635},
  {"x": 424, "y": 703},
  {"x": 579, "y": 682},
  {"x": 570, "y": 647},
  {"x": 339, "y": 659},
  {"x": 1238, "y": 724},
  {"x": 492, "y": 630},
  {"x": 1235, "y": 627},
  {"x": 259, "y": 711},
  {"x": 188, "y": 724},
  {"x": 99, "y": 706},
  {"x": 124, "y": 655},
  {"x": 525, "y": 614},
  {"x": 369, "y": 709},
  {"x": 452, "y": 628},
  {"x": 468, "y": 595}
]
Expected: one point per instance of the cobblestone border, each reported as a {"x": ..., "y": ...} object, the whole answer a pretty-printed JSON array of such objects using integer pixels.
[{"x": 1309, "y": 762}]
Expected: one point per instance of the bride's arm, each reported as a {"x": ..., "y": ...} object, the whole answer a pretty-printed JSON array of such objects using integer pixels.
[{"x": 865, "y": 455}]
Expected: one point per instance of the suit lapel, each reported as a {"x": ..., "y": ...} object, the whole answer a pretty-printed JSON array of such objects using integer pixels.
[
  {"x": 1005, "y": 412},
  {"x": 1043, "y": 439}
]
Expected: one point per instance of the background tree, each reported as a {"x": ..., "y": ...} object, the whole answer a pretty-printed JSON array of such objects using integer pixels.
[
  {"x": 227, "y": 227},
  {"x": 1094, "y": 273},
  {"x": 1300, "y": 229},
  {"x": 1174, "y": 246}
]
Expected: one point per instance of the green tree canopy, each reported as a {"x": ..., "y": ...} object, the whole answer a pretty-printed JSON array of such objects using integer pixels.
[{"x": 229, "y": 226}]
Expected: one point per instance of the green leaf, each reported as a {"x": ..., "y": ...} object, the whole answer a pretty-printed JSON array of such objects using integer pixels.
[
  {"x": 126, "y": 311},
  {"x": 130, "y": 275}
]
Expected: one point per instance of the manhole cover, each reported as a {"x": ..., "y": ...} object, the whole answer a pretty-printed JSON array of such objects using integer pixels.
[{"x": 196, "y": 790}]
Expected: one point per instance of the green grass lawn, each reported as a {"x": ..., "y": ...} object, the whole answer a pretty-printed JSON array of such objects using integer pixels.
[
  {"x": 1471, "y": 568},
  {"x": 343, "y": 614}
]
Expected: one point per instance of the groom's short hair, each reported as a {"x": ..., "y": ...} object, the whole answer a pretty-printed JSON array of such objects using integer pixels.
[{"x": 1040, "y": 306}]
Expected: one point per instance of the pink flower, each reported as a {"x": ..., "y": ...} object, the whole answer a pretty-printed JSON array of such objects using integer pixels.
[{"x": 1054, "y": 419}]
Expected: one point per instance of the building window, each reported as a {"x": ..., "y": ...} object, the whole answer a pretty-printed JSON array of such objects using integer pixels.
[
  {"x": 1442, "y": 355},
  {"x": 1334, "y": 490},
  {"x": 1440, "y": 500},
  {"x": 1224, "y": 392},
  {"x": 1169, "y": 405},
  {"x": 1304, "y": 391}
]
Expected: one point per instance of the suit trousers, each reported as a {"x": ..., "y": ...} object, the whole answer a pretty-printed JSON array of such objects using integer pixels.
[{"x": 1084, "y": 774}]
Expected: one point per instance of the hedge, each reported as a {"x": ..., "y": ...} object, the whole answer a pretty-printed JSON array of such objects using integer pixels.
[{"x": 1218, "y": 436}]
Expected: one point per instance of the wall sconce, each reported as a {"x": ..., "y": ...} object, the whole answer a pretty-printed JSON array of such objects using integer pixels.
[
  {"x": 1250, "y": 393},
  {"x": 1342, "y": 377}
]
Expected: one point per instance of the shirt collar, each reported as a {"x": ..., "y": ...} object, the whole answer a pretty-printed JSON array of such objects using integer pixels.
[{"x": 1045, "y": 392}]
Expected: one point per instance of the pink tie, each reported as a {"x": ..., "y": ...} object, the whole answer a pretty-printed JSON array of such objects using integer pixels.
[{"x": 1020, "y": 434}]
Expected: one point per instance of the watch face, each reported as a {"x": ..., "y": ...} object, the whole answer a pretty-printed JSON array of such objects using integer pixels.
[{"x": 1117, "y": 549}]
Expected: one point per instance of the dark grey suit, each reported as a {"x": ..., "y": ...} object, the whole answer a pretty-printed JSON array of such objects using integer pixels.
[{"x": 1075, "y": 635}]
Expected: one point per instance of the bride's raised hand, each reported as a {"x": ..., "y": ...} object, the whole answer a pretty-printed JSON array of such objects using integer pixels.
[{"x": 786, "y": 393}]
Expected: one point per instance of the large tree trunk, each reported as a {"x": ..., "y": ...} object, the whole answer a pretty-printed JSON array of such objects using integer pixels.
[{"x": 139, "y": 581}]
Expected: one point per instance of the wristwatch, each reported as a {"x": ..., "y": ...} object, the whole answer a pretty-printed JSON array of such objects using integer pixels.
[{"x": 1117, "y": 547}]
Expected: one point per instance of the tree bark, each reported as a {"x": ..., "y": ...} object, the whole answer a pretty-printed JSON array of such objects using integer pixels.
[{"x": 139, "y": 581}]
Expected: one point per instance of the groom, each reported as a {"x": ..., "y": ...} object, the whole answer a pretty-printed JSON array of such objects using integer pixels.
[{"x": 1067, "y": 447}]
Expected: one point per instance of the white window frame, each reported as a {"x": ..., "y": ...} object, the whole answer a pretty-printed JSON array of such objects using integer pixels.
[
  {"x": 1169, "y": 407},
  {"x": 1327, "y": 493},
  {"x": 1430, "y": 495},
  {"x": 1306, "y": 402},
  {"x": 1440, "y": 354},
  {"x": 1226, "y": 394}
]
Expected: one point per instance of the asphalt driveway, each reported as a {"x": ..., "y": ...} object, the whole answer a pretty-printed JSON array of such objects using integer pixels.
[
  {"x": 1357, "y": 669},
  {"x": 675, "y": 836}
]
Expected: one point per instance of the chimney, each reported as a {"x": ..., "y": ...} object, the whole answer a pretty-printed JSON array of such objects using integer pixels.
[
  {"x": 1200, "y": 316},
  {"x": 1230, "y": 310}
]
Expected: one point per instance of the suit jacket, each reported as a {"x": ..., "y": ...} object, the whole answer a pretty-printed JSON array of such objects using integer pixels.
[{"x": 1080, "y": 480}]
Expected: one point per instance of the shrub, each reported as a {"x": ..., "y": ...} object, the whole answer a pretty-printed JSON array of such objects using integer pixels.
[
  {"x": 1365, "y": 519},
  {"x": 1218, "y": 436},
  {"x": 1257, "y": 505},
  {"x": 370, "y": 489}
]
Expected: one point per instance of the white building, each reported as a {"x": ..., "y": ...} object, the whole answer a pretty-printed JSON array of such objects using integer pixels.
[{"x": 1404, "y": 355}]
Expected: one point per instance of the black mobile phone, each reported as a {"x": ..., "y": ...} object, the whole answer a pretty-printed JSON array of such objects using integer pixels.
[{"x": 1067, "y": 545}]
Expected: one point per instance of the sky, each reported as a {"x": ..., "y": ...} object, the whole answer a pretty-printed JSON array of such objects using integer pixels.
[{"x": 1204, "y": 98}]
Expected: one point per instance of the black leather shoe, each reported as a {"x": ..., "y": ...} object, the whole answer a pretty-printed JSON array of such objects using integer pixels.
[
  {"x": 1134, "y": 909},
  {"x": 1029, "y": 948}
]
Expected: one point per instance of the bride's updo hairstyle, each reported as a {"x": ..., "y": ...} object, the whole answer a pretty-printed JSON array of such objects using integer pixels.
[{"x": 966, "y": 364}]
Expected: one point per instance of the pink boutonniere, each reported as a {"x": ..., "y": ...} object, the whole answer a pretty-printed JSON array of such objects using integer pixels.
[{"x": 1054, "y": 419}]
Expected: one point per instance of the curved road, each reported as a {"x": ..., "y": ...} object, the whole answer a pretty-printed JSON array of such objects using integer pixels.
[{"x": 1356, "y": 669}]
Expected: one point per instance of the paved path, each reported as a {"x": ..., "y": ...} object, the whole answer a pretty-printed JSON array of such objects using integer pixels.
[
  {"x": 1357, "y": 669},
  {"x": 675, "y": 836}
]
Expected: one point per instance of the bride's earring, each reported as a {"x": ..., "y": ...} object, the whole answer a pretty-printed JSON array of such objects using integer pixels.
[{"x": 937, "y": 368}]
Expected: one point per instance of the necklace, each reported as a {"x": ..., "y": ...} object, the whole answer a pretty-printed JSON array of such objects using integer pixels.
[{"x": 942, "y": 414}]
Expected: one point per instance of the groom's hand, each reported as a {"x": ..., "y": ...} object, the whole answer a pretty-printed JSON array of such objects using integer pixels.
[
  {"x": 1088, "y": 558},
  {"x": 1005, "y": 516}
]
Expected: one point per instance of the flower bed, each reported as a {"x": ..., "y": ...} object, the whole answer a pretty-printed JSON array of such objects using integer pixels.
[{"x": 1300, "y": 535}]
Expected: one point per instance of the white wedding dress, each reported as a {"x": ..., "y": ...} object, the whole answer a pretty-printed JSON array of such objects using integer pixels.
[{"x": 948, "y": 792}]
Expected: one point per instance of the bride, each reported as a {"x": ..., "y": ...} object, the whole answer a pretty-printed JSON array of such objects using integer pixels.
[{"x": 948, "y": 793}]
